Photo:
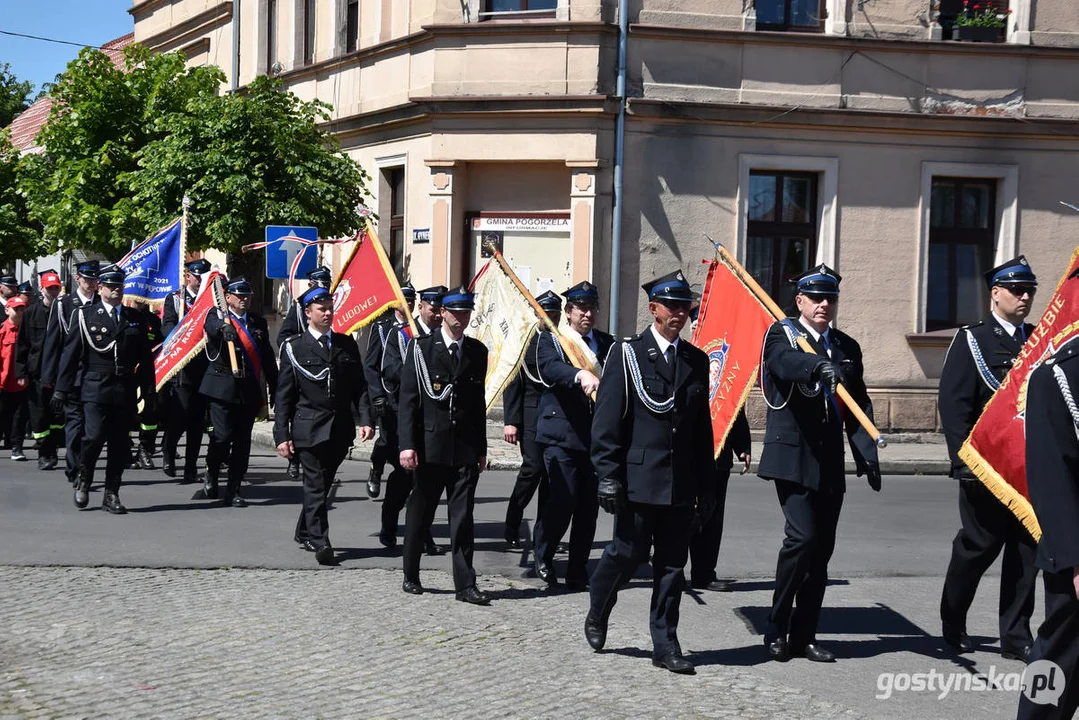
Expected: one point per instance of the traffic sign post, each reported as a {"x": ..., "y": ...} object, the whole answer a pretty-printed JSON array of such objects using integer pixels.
[{"x": 281, "y": 251}]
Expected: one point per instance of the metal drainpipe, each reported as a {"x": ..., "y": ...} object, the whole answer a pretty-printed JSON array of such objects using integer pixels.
[
  {"x": 235, "y": 45},
  {"x": 619, "y": 161}
]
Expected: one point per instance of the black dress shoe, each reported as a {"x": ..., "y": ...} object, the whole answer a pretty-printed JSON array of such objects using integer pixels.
[
  {"x": 546, "y": 573},
  {"x": 189, "y": 479},
  {"x": 112, "y": 504},
  {"x": 374, "y": 484},
  {"x": 304, "y": 544},
  {"x": 209, "y": 489},
  {"x": 777, "y": 648},
  {"x": 412, "y": 587},
  {"x": 577, "y": 584},
  {"x": 431, "y": 548},
  {"x": 814, "y": 652},
  {"x": 595, "y": 630},
  {"x": 473, "y": 595},
  {"x": 1022, "y": 653},
  {"x": 238, "y": 502},
  {"x": 713, "y": 585},
  {"x": 674, "y": 662},
  {"x": 324, "y": 555},
  {"x": 387, "y": 539},
  {"x": 959, "y": 640},
  {"x": 168, "y": 466},
  {"x": 293, "y": 470},
  {"x": 145, "y": 461}
]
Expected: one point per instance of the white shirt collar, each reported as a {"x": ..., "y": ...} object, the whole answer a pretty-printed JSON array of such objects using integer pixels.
[
  {"x": 662, "y": 341},
  {"x": 447, "y": 339},
  {"x": 316, "y": 334},
  {"x": 816, "y": 335},
  {"x": 1008, "y": 327},
  {"x": 239, "y": 317},
  {"x": 424, "y": 330},
  {"x": 110, "y": 309},
  {"x": 86, "y": 299}
]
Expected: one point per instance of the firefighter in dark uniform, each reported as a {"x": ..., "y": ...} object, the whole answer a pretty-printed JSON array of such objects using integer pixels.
[
  {"x": 651, "y": 447},
  {"x": 385, "y": 448},
  {"x": 107, "y": 361},
  {"x": 1052, "y": 455},
  {"x": 185, "y": 406},
  {"x": 803, "y": 455},
  {"x": 443, "y": 436},
  {"x": 149, "y": 413},
  {"x": 977, "y": 361},
  {"x": 321, "y": 399},
  {"x": 59, "y": 327},
  {"x": 235, "y": 400},
  {"x": 9, "y": 288},
  {"x": 47, "y": 431},
  {"x": 520, "y": 404},
  {"x": 428, "y": 320},
  {"x": 564, "y": 432}
]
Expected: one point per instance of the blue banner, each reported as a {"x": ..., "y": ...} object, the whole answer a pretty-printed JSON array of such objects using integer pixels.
[{"x": 154, "y": 268}]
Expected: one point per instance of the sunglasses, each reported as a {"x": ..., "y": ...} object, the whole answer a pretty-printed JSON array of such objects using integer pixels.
[
  {"x": 818, "y": 298},
  {"x": 1021, "y": 290}
]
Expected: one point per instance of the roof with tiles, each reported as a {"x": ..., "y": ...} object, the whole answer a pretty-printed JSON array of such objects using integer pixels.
[{"x": 25, "y": 128}]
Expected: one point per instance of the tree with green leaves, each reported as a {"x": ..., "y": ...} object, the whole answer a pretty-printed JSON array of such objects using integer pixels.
[
  {"x": 14, "y": 95},
  {"x": 19, "y": 238},
  {"x": 248, "y": 160}
]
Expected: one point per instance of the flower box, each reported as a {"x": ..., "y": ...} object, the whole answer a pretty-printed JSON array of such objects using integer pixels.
[{"x": 969, "y": 33}]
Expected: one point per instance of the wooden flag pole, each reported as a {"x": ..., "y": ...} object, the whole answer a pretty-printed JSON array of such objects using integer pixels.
[
  {"x": 778, "y": 314},
  {"x": 222, "y": 306}
]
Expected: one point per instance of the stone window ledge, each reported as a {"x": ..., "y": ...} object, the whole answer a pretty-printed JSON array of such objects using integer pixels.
[{"x": 932, "y": 339}]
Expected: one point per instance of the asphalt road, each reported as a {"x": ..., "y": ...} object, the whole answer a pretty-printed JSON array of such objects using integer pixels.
[{"x": 880, "y": 612}]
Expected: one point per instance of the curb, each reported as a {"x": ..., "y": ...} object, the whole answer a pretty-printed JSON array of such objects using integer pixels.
[{"x": 262, "y": 436}]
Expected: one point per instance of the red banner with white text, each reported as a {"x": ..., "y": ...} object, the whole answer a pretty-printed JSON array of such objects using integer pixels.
[
  {"x": 366, "y": 286},
  {"x": 731, "y": 326},
  {"x": 996, "y": 448},
  {"x": 189, "y": 336}
]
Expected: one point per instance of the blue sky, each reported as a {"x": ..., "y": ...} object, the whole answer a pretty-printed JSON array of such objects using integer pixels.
[{"x": 83, "y": 21}]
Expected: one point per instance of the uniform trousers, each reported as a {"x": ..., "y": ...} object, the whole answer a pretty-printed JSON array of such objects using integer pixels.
[
  {"x": 13, "y": 418},
  {"x": 531, "y": 477},
  {"x": 47, "y": 432},
  {"x": 106, "y": 426},
  {"x": 319, "y": 465},
  {"x": 802, "y": 569},
  {"x": 186, "y": 416},
  {"x": 571, "y": 494},
  {"x": 73, "y": 433},
  {"x": 704, "y": 547},
  {"x": 459, "y": 484},
  {"x": 638, "y": 528},
  {"x": 231, "y": 441},
  {"x": 988, "y": 527},
  {"x": 1057, "y": 641},
  {"x": 382, "y": 451}
]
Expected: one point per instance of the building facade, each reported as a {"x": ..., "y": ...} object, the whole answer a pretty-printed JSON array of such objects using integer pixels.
[{"x": 866, "y": 134}]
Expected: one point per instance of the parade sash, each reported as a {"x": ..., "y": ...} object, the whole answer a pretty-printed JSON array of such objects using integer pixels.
[
  {"x": 731, "y": 326},
  {"x": 247, "y": 344},
  {"x": 154, "y": 269},
  {"x": 504, "y": 321},
  {"x": 188, "y": 338},
  {"x": 996, "y": 448}
]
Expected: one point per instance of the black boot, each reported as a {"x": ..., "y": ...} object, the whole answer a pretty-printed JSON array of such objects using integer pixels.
[
  {"x": 112, "y": 504},
  {"x": 146, "y": 462},
  {"x": 209, "y": 486},
  {"x": 168, "y": 463},
  {"x": 82, "y": 488},
  {"x": 374, "y": 483}
]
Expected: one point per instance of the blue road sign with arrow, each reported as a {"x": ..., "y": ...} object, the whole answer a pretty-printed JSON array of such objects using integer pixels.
[{"x": 283, "y": 251}]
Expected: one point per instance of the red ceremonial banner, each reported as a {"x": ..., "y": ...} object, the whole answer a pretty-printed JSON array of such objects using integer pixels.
[
  {"x": 189, "y": 335},
  {"x": 996, "y": 448},
  {"x": 731, "y": 326},
  {"x": 366, "y": 286}
]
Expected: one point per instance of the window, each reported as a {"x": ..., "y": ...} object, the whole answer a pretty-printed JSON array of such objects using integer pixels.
[
  {"x": 396, "y": 249},
  {"x": 271, "y": 35},
  {"x": 951, "y": 9},
  {"x": 352, "y": 25},
  {"x": 781, "y": 235},
  {"x": 492, "y": 7},
  {"x": 961, "y": 216},
  {"x": 308, "y": 32},
  {"x": 804, "y": 15}
]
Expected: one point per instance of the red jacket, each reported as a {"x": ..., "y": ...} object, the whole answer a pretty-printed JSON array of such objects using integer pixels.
[{"x": 8, "y": 381}]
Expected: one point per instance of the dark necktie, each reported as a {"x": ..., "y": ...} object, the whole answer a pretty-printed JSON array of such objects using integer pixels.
[
  {"x": 453, "y": 354},
  {"x": 668, "y": 355},
  {"x": 324, "y": 341},
  {"x": 827, "y": 345},
  {"x": 591, "y": 345},
  {"x": 116, "y": 314}
]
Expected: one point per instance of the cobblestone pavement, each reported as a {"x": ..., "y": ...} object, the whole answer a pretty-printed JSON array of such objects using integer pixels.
[{"x": 93, "y": 642}]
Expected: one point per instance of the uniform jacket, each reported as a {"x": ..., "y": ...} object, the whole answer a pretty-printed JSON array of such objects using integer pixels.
[
  {"x": 192, "y": 373},
  {"x": 803, "y": 439},
  {"x": 565, "y": 413},
  {"x": 1052, "y": 456},
  {"x": 294, "y": 323},
  {"x": 964, "y": 390},
  {"x": 31, "y": 342},
  {"x": 218, "y": 382},
  {"x": 452, "y": 431},
  {"x": 372, "y": 359},
  {"x": 62, "y": 315},
  {"x": 660, "y": 458},
  {"x": 99, "y": 371},
  {"x": 520, "y": 400},
  {"x": 393, "y": 355},
  {"x": 313, "y": 408},
  {"x": 10, "y": 378}
]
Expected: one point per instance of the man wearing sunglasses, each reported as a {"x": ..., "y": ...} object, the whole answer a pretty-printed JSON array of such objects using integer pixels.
[{"x": 977, "y": 361}]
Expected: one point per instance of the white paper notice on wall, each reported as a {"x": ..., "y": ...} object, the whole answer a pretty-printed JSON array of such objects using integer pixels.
[
  {"x": 543, "y": 285},
  {"x": 524, "y": 272}
]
